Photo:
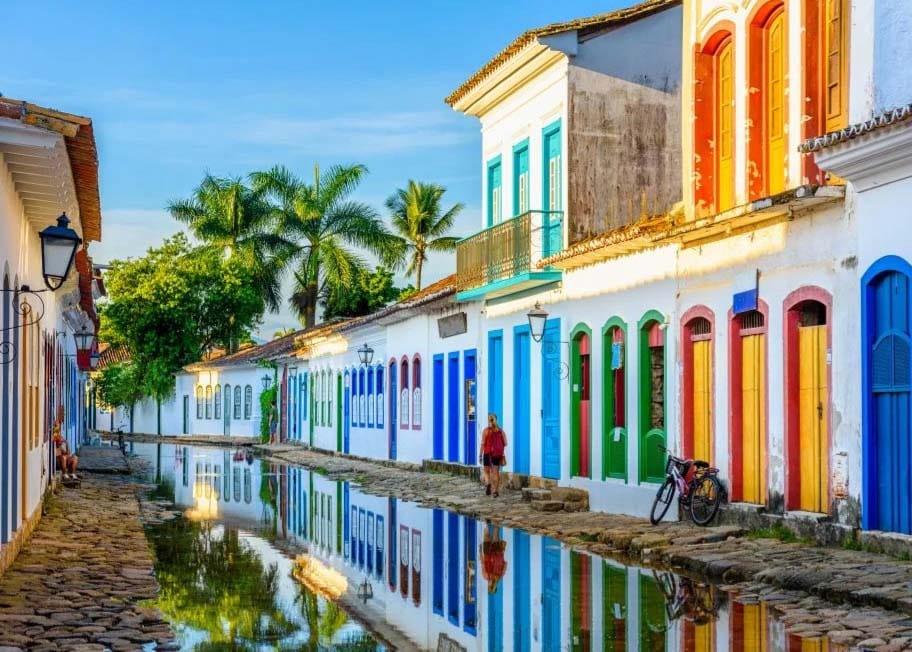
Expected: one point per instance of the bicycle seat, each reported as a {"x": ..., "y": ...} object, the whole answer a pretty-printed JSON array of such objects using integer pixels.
[{"x": 700, "y": 464}]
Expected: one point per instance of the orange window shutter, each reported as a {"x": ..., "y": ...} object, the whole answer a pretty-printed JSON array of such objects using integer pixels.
[
  {"x": 725, "y": 134},
  {"x": 836, "y": 62}
]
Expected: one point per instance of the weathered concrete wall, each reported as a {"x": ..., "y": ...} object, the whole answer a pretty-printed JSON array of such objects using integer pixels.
[
  {"x": 892, "y": 52},
  {"x": 624, "y": 115}
]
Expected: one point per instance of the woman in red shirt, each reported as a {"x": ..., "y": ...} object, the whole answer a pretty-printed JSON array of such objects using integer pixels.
[{"x": 493, "y": 443}]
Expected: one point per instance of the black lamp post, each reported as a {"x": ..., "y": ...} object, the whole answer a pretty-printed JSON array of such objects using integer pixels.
[
  {"x": 266, "y": 380},
  {"x": 537, "y": 318},
  {"x": 58, "y": 249},
  {"x": 365, "y": 354},
  {"x": 83, "y": 340}
]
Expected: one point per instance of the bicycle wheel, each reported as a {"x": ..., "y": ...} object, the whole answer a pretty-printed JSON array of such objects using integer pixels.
[
  {"x": 662, "y": 501},
  {"x": 705, "y": 497}
]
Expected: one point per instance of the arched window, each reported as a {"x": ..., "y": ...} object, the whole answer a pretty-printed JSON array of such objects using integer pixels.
[
  {"x": 208, "y": 401},
  {"x": 228, "y": 396},
  {"x": 714, "y": 129},
  {"x": 380, "y": 394},
  {"x": 199, "y": 401},
  {"x": 217, "y": 407},
  {"x": 416, "y": 392},
  {"x": 581, "y": 402},
  {"x": 248, "y": 402},
  {"x": 371, "y": 398},
  {"x": 237, "y": 402},
  {"x": 404, "y": 394},
  {"x": 697, "y": 390}
]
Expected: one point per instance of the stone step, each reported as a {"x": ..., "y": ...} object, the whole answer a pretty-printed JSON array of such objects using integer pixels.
[
  {"x": 533, "y": 495},
  {"x": 567, "y": 494},
  {"x": 547, "y": 505}
]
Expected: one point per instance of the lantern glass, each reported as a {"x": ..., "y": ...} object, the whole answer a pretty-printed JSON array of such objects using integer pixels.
[
  {"x": 537, "y": 318},
  {"x": 84, "y": 340},
  {"x": 58, "y": 249},
  {"x": 265, "y": 381},
  {"x": 93, "y": 360},
  {"x": 365, "y": 354}
]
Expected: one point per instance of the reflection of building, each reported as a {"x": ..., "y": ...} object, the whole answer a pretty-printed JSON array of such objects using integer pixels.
[{"x": 48, "y": 167}]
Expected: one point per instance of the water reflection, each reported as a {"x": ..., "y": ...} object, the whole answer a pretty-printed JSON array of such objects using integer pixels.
[{"x": 275, "y": 557}]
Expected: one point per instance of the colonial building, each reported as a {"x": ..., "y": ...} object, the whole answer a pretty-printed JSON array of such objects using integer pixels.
[{"x": 48, "y": 167}]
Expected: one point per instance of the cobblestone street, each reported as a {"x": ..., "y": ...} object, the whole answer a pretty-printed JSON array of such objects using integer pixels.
[{"x": 80, "y": 582}]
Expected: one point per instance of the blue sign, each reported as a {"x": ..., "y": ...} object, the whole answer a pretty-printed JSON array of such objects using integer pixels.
[{"x": 745, "y": 301}]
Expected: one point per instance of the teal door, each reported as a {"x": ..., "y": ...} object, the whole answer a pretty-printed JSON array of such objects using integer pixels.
[
  {"x": 551, "y": 594},
  {"x": 522, "y": 365},
  {"x": 550, "y": 400}
]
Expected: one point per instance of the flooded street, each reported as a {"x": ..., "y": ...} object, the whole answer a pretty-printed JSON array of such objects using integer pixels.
[{"x": 271, "y": 557}]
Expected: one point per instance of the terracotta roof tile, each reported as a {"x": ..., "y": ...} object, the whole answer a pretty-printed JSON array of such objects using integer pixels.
[
  {"x": 891, "y": 117},
  {"x": 617, "y": 17}
]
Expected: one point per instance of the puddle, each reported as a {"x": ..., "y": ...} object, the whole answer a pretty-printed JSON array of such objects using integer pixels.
[{"x": 274, "y": 557}]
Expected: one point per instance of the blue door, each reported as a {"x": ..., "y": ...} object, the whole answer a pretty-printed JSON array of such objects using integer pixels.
[
  {"x": 437, "y": 575},
  {"x": 522, "y": 590},
  {"x": 392, "y": 543},
  {"x": 470, "y": 608},
  {"x": 453, "y": 411},
  {"x": 887, "y": 428},
  {"x": 346, "y": 414},
  {"x": 522, "y": 365},
  {"x": 495, "y": 374},
  {"x": 393, "y": 404},
  {"x": 453, "y": 568},
  {"x": 551, "y": 387},
  {"x": 346, "y": 519},
  {"x": 551, "y": 594},
  {"x": 438, "y": 406},
  {"x": 471, "y": 412}
]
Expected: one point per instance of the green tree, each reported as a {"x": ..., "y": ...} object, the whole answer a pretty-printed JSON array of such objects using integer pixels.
[
  {"x": 326, "y": 225},
  {"x": 120, "y": 385},
  {"x": 229, "y": 217},
  {"x": 369, "y": 291},
  {"x": 168, "y": 307},
  {"x": 421, "y": 224}
]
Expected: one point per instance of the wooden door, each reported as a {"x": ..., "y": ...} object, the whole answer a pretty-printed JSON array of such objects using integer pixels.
[
  {"x": 702, "y": 400},
  {"x": 725, "y": 133},
  {"x": 776, "y": 104},
  {"x": 753, "y": 416},
  {"x": 813, "y": 398}
]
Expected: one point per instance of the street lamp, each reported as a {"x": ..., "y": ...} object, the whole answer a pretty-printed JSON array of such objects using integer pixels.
[
  {"x": 537, "y": 318},
  {"x": 58, "y": 248},
  {"x": 93, "y": 359},
  {"x": 83, "y": 340},
  {"x": 266, "y": 380},
  {"x": 365, "y": 354}
]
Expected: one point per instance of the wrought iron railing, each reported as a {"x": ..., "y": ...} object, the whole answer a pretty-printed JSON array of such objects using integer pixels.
[{"x": 508, "y": 249}]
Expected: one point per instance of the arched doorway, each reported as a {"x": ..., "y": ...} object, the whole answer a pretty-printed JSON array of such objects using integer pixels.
[
  {"x": 748, "y": 405},
  {"x": 580, "y": 411},
  {"x": 807, "y": 399},
  {"x": 614, "y": 400},
  {"x": 697, "y": 390},
  {"x": 885, "y": 419},
  {"x": 652, "y": 423}
]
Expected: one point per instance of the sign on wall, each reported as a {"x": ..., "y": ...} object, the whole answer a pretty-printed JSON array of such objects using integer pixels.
[{"x": 452, "y": 325}]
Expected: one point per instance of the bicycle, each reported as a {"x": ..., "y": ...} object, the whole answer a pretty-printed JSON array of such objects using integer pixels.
[{"x": 700, "y": 496}]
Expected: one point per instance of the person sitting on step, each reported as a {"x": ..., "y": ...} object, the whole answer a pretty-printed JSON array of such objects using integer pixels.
[{"x": 66, "y": 462}]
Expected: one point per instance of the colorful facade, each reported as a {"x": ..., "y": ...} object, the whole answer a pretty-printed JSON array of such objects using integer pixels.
[{"x": 48, "y": 166}]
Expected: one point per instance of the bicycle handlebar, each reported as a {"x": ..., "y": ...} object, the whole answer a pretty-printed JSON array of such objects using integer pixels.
[{"x": 672, "y": 455}]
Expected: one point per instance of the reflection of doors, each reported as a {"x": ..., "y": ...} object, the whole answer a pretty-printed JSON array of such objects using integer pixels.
[
  {"x": 522, "y": 364},
  {"x": 471, "y": 445},
  {"x": 580, "y": 602},
  {"x": 753, "y": 415},
  {"x": 470, "y": 606},
  {"x": 346, "y": 414},
  {"x": 652, "y": 615},
  {"x": 614, "y": 606},
  {"x": 551, "y": 594},
  {"x": 393, "y": 405},
  {"x": 453, "y": 408},
  {"x": 551, "y": 400},
  {"x": 522, "y": 607},
  {"x": 749, "y": 626},
  {"x": 186, "y": 428},
  {"x": 702, "y": 400},
  {"x": 813, "y": 397},
  {"x": 438, "y": 406}
]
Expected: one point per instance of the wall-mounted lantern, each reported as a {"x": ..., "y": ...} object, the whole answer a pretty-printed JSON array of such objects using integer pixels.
[
  {"x": 537, "y": 318},
  {"x": 365, "y": 355},
  {"x": 58, "y": 249}
]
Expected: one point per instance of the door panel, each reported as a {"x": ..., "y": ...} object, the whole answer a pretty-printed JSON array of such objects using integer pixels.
[
  {"x": 393, "y": 405},
  {"x": 551, "y": 388},
  {"x": 453, "y": 410},
  {"x": 702, "y": 400},
  {"x": 812, "y": 414},
  {"x": 551, "y": 594},
  {"x": 776, "y": 106},
  {"x": 438, "y": 389},
  {"x": 522, "y": 363},
  {"x": 753, "y": 415},
  {"x": 522, "y": 606}
]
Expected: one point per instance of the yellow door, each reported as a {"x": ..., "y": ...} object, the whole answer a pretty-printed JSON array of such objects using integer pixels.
[
  {"x": 702, "y": 395},
  {"x": 753, "y": 416},
  {"x": 754, "y": 628},
  {"x": 703, "y": 638},
  {"x": 815, "y": 645},
  {"x": 775, "y": 103},
  {"x": 725, "y": 133},
  {"x": 812, "y": 409}
]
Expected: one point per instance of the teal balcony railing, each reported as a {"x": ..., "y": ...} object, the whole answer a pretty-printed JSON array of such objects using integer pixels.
[{"x": 507, "y": 250}]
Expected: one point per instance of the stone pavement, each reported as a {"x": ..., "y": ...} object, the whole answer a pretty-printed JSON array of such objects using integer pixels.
[
  {"x": 102, "y": 459},
  {"x": 79, "y": 582},
  {"x": 722, "y": 554}
]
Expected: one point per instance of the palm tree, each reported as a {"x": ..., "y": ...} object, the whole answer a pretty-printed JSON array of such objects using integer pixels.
[
  {"x": 228, "y": 216},
  {"x": 421, "y": 224},
  {"x": 282, "y": 332},
  {"x": 325, "y": 224}
]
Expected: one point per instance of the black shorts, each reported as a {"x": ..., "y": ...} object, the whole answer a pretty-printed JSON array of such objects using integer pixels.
[{"x": 492, "y": 460}]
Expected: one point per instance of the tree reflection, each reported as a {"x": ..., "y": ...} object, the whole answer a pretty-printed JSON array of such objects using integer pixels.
[
  {"x": 324, "y": 618},
  {"x": 212, "y": 582}
]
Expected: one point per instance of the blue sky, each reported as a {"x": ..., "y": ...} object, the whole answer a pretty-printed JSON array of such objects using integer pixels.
[{"x": 179, "y": 88}]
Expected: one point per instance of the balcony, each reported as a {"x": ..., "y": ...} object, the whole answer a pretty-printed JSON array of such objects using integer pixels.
[{"x": 503, "y": 259}]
